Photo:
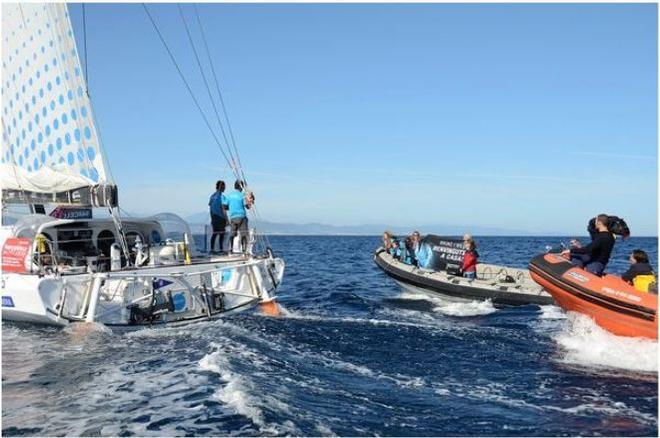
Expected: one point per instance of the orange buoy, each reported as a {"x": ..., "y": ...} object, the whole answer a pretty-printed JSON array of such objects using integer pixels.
[
  {"x": 270, "y": 307},
  {"x": 611, "y": 302}
]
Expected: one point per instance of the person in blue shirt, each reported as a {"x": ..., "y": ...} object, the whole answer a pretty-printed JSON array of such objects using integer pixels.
[
  {"x": 218, "y": 216},
  {"x": 408, "y": 252},
  {"x": 422, "y": 252},
  {"x": 237, "y": 204}
]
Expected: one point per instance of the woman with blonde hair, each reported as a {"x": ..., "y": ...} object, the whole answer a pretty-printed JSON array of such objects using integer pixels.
[{"x": 388, "y": 241}]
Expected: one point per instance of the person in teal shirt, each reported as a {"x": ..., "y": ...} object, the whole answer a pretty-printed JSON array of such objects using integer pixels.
[
  {"x": 218, "y": 216},
  {"x": 422, "y": 252},
  {"x": 237, "y": 204}
]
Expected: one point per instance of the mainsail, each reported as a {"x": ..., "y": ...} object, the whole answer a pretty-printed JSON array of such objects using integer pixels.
[{"x": 50, "y": 145}]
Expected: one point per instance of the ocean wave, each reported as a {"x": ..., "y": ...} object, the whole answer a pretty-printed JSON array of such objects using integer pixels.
[
  {"x": 584, "y": 343},
  {"x": 236, "y": 392},
  {"x": 585, "y": 405}
]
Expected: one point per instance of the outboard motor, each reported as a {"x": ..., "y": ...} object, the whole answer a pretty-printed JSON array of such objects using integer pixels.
[{"x": 115, "y": 257}]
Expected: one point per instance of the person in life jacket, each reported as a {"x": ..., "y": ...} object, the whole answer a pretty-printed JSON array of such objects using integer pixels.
[
  {"x": 470, "y": 259},
  {"x": 640, "y": 274}
]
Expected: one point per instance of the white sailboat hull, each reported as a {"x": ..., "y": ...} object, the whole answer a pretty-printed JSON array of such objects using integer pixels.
[
  {"x": 200, "y": 290},
  {"x": 26, "y": 298}
]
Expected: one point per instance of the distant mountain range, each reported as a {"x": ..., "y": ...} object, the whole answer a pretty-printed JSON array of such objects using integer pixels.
[{"x": 198, "y": 220}]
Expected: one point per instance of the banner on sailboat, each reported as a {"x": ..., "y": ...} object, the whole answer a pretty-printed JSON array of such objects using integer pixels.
[
  {"x": 93, "y": 196},
  {"x": 14, "y": 253}
]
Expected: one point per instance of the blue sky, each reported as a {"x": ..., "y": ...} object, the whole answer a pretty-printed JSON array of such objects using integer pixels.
[{"x": 528, "y": 117}]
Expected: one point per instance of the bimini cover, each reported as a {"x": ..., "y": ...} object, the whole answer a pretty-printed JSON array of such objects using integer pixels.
[{"x": 49, "y": 140}]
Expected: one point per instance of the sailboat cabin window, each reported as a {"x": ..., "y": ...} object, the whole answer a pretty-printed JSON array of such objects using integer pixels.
[{"x": 76, "y": 243}]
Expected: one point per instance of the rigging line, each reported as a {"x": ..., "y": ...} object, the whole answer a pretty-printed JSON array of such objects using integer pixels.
[
  {"x": 255, "y": 213},
  {"x": 206, "y": 83},
  {"x": 116, "y": 217},
  {"x": 183, "y": 78},
  {"x": 84, "y": 20},
  {"x": 95, "y": 123},
  {"x": 217, "y": 86}
]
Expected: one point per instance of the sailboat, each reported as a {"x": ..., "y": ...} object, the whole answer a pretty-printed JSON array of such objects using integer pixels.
[{"x": 62, "y": 261}]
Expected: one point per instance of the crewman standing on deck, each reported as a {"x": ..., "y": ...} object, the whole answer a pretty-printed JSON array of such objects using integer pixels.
[
  {"x": 218, "y": 216},
  {"x": 237, "y": 203}
]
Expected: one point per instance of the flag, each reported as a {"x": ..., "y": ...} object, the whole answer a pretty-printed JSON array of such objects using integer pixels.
[{"x": 157, "y": 283}]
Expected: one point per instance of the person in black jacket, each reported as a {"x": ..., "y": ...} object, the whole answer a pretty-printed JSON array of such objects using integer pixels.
[
  {"x": 595, "y": 256},
  {"x": 639, "y": 265}
]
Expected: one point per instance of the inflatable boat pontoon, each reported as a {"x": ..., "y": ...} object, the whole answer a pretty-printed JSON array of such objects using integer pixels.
[
  {"x": 493, "y": 282},
  {"x": 613, "y": 304}
]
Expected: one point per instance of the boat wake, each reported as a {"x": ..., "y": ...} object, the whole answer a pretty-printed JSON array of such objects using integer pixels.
[
  {"x": 472, "y": 308},
  {"x": 584, "y": 343},
  {"x": 452, "y": 308},
  {"x": 78, "y": 329},
  {"x": 234, "y": 394},
  {"x": 552, "y": 312}
]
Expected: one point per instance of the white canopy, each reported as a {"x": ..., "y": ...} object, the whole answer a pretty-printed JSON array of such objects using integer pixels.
[{"x": 43, "y": 180}]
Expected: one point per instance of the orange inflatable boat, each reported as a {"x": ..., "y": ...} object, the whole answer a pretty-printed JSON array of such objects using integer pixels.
[{"x": 614, "y": 304}]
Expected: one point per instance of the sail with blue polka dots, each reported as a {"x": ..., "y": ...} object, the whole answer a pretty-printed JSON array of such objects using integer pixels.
[{"x": 49, "y": 141}]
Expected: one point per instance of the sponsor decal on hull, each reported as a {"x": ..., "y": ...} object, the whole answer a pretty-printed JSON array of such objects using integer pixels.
[
  {"x": 577, "y": 276},
  {"x": 7, "y": 302},
  {"x": 14, "y": 253},
  {"x": 621, "y": 294}
]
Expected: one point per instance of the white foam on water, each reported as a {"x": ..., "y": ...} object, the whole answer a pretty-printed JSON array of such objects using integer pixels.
[
  {"x": 587, "y": 344},
  {"x": 472, "y": 308},
  {"x": 552, "y": 312},
  {"x": 449, "y": 307},
  {"x": 415, "y": 296},
  {"x": 324, "y": 430},
  {"x": 371, "y": 321},
  {"x": 241, "y": 395},
  {"x": 85, "y": 328},
  {"x": 235, "y": 393},
  {"x": 586, "y": 405}
]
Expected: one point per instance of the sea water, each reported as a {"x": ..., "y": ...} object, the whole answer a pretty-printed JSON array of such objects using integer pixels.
[{"x": 351, "y": 355}]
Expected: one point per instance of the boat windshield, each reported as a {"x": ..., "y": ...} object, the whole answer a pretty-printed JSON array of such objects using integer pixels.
[
  {"x": 28, "y": 226},
  {"x": 174, "y": 228}
]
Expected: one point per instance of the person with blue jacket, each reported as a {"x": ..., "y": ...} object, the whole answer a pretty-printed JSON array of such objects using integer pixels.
[
  {"x": 237, "y": 204},
  {"x": 422, "y": 252},
  {"x": 218, "y": 216}
]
